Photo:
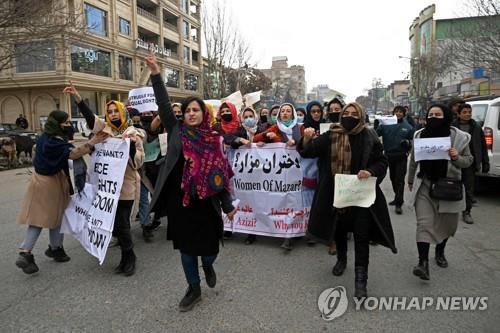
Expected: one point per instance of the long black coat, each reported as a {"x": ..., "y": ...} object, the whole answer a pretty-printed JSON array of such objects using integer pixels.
[{"x": 367, "y": 154}]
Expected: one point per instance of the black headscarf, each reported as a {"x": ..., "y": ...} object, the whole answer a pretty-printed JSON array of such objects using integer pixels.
[
  {"x": 435, "y": 169},
  {"x": 55, "y": 119},
  {"x": 308, "y": 119}
]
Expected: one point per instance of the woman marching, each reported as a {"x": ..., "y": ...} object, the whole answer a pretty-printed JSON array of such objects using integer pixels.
[
  {"x": 117, "y": 123},
  {"x": 348, "y": 148},
  {"x": 50, "y": 188},
  {"x": 192, "y": 186},
  {"x": 437, "y": 216}
]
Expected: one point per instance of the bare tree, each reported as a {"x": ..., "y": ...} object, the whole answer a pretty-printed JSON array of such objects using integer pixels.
[{"x": 28, "y": 25}]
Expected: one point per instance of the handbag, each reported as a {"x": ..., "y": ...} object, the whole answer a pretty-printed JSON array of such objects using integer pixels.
[{"x": 448, "y": 189}]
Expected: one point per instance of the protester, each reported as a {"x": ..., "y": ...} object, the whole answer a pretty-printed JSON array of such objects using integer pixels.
[
  {"x": 117, "y": 123},
  {"x": 397, "y": 143},
  {"x": 350, "y": 147},
  {"x": 285, "y": 130},
  {"x": 229, "y": 120},
  {"x": 479, "y": 152},
  {"x": 334, "y": 109},
  {"x": 192, "y": 186},
  {"x": 49, "y": 189},
  {"x": 454, "y": 105},
  {"x": 273, "y": 115},
  {"x": 264, "y": 118},
  {"x": 437, "y": 219},
  {"x": 301, "y": 113},
  {"x": 22, "y": 122}
]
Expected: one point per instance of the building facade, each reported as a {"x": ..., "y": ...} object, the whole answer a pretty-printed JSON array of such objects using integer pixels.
[
  {"x": 288, "y": 83},
  {"x": 323, "y": 93},
  {"x": 106, "y": 61},
  {"x": 399, "y": 92}
]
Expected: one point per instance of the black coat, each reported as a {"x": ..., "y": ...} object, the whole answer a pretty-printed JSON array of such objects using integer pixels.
[
  {"x": 367, "y": 154},
  {"x": 477, "y": 145},
  {"x": 194, "y": 235}
]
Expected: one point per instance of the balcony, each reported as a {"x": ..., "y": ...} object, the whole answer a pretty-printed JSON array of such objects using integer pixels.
[
  {"x": 170, "y": 26},
  {"x": 147, "y": 15}
]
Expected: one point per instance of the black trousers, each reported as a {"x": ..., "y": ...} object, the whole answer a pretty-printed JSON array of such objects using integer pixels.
[
  {"x": 359, "y": 221},
  {"x": 121, "y": 229},
  {"x": 397, "y": 173},
  {"x": 468, "y": 178}
]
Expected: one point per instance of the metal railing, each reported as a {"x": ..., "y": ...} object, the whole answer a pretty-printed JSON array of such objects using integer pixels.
[
  {"x": 147, "y": 14},
  {"x": 171, "y": 26}
]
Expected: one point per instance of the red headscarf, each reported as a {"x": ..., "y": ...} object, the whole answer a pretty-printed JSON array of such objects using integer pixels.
[{"x": 230, "y": 127}]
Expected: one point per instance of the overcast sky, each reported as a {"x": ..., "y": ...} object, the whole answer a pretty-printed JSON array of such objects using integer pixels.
[{"x": 342, "y": 43}]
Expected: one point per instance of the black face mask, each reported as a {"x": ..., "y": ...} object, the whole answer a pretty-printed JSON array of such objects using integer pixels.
[
  {"x": 434, "y": 123},
  {"x": 68, "y": 132},
  {"x": 179, "y": 116},
  {"x": 263, "y": 118},
  {"x": 146, "y": 119},
  {"x": 349, "y": 123},
  {"x": 117, "y": 123},
  {"x": 334, "y": 116},
  {"x": 227, "y": 117}
]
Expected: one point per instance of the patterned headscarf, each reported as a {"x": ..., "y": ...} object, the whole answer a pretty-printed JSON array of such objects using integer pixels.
[
  {"x": 206, "y": 170},
  {"x": 230, "y": 127},
  {"x": 123, "y": 118}
]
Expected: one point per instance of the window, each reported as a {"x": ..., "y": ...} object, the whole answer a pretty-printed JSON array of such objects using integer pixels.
[
  {"x": 90, "y": 98},
  {"x": 190, "y": 82},
  {"x": 185, "y": 6},
  {"x": 172, "y": 77},
  {"x": 125, "y": 67},
  {"x": 35, "y": 57},
  {"x": 186, "y": 55},
  {"x": 89, "y": 60},
  {"x": 96, "y": 21},
  {"x": 124, "y": 26},
  {"x": 185, "y": 29}
]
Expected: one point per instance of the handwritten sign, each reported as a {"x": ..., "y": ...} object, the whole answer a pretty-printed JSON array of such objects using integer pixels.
[
  {"x": 163, "y": 138},
  {"x": 143, "y": 99},
  {"x": 90, "y": 214},
  {"x": 387, "y": 120},
  {"x": 432, "y": 148},
  {"x": 268, "y": 183},
  {"x": 352, "y": 191}
]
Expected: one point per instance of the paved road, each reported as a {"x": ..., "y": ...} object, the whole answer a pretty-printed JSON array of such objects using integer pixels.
[{"x": 260, "y": 288}]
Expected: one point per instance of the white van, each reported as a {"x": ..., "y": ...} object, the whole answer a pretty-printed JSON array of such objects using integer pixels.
[{"x": 486, "y": 112}]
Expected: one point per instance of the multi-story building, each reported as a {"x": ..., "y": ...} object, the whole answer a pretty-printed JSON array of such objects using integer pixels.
[
  {"x": 398, "y": 92},
  {"x": 288, "y": 83},
  {"x": 106, "y": 61},
  {"x": 323, "y": 93}
]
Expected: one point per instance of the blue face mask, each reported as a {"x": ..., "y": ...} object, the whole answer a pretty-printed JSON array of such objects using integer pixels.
[
  {"x": 287, "y": 122},
  {"x": 249, "y": 122},
  {"x": 273, "y": 119},
  {"x": 300, "y": 119}
]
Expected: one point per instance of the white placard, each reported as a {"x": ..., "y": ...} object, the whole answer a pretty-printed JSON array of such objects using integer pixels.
[
  {"x": 268, "y": 185},
  {"x": 352, "y": 191},
  {"x": 432, "y": 148},
  {"x": 324, "y": 127},
  {"x": 387, "y": 120},
  {"x": 162, "y": 137},
  {"x": 143, "y": 99},
  {"x": 252, "y": 98},
  {"x": 90, "y": 215}
]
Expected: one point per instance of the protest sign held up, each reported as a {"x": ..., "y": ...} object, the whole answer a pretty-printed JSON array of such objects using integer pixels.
[{"x": 142, "y": 99}]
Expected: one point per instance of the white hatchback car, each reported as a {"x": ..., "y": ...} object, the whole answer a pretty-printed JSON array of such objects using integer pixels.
[{"x": 486, "y": 112}]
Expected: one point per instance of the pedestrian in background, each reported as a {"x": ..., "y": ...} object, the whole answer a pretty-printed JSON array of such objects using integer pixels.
[
  {"x": 437, "y": 218},
  {"x": 397, "y": 143},
  {"x": 49, "y": 189},
  {"x": 479, "y": 152}
]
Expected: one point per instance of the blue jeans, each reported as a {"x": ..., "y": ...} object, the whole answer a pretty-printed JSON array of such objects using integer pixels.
[
  {"x": 144, "y": 205},
  {"x": 190, "y": 266}
]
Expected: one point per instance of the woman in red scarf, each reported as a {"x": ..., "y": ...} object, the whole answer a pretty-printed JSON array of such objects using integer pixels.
[{"x": 192, "y": 186}]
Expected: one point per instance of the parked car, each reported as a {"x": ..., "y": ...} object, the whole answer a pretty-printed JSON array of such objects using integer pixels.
[{"x": 486, "y": 112}]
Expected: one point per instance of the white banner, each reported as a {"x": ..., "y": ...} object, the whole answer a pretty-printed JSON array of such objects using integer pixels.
[
  {"x": 387, "y": 120},
  {"x": 268, "y": 185},
  {"x": 432, "y": 148},
  {"x": 143, "y": 99},
  {"x": 352, "y": 191},
  {"x": 90, "y": 214}
]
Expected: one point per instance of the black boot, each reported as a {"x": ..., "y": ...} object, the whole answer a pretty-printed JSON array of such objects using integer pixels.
[
  {"x": 193, "y": 296},
  {"x": 250, "y": 239},
  {"x": 341, "y": 264},
  {"x": 422, "y": 269},
  {"x": 210, "y": 275},
  {"x": 440, "y": 259},
  {"x": 147, "y": 234},
  {"x": 26, "y": 261},
  {"x": 360, "y": 281},
  {"x": 129, "y": 259},
  {"x": 58, "y": 254}
]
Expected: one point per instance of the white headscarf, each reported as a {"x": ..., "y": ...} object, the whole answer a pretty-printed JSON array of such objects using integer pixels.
[
  {"x": 250, "y": 130},
  {"x": 283, "y": 128}
]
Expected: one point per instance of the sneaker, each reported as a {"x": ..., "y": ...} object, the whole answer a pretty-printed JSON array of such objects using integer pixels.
[
  {"x": 392, "y": 203},
  {"x": 399, "y": 210},
  {"x": 114, "y": 242},
  {"x": 192, "y": 296},
  {"x": 467, "y": 218},
  {"x": 250, "y": 239},
  {"x": 210, "y": 276},
  {"x": 147, "y": 234},
  {"x": 287, "y": 244},
  {"x": 26, "y": 261},
  {"x": 153, "y": 225},
  {"x": 58, "y": 254}
]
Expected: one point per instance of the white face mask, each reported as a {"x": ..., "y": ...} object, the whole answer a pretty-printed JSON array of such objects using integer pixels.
[
  {"x": 300, "y": 119},
  {"x": 249, "y": 122}
]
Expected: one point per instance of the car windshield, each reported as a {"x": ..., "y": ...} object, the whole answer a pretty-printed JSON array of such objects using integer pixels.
[{"x": 479, "y": 112}]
